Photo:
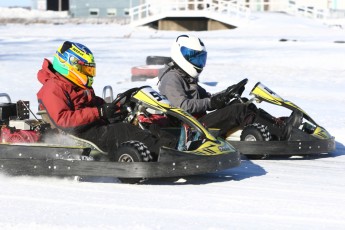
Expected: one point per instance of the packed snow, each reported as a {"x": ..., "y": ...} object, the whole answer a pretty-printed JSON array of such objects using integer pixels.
[{"x": 298, "y": 58}]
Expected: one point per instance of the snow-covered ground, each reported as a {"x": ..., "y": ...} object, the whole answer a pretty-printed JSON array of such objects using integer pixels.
[{"x": 277, "y": 193}]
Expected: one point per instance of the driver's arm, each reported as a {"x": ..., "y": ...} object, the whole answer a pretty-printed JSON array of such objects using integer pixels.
[
  {"x": 63, "y": 112},
  {"x": 179, "y": 94}
]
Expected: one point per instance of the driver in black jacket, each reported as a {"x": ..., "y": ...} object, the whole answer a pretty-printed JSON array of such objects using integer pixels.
[{"x": 178, "y": 81}]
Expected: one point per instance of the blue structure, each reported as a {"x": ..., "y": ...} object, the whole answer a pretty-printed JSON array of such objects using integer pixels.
[{"x": 101, "y": 8}]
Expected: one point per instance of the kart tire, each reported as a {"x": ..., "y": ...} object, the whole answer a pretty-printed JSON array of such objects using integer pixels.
[
  {"x": 132, "y": 151},
  {"x": 256, "y": 132},
  {"x": 157, "y": 60},
  {"x": 142, "y": 73}
]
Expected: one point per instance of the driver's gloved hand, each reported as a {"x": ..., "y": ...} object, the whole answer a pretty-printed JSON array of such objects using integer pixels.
[
  {"x": 231, "y": 90},
  {"x": 107, "y": 110},
  {"x": 219, "y": 100}
]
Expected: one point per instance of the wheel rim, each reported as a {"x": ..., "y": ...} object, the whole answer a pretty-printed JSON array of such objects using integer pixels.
[
  {"x": 126, "y": 158},
  {"x": 250, "y": 138}
]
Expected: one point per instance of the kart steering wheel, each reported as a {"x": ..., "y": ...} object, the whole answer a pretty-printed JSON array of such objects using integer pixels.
[
  {"x": 122, "y": 98},
  {"x": 120, "y": 101},
  {"x": 236, "y": 91}
]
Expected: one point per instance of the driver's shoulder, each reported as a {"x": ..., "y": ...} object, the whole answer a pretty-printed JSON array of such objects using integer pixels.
[{"x": 172, "y": 77}]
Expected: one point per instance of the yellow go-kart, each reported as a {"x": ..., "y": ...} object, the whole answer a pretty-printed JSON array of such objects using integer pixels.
[
  {"x": 34, "y": 147},
  {"x": 264, "y": 137}
]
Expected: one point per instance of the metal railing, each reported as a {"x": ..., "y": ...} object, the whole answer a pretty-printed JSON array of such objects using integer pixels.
[
  {"x": 308, "y": 11},
  {"x": 290, "y": 7},
  {"x": 229, "y": 9},
  {"x": 187, "y": 7}
]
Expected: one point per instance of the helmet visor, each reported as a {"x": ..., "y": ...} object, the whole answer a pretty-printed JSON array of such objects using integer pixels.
[
  {"x": 88, "y": 69},
  {"x": 195, "y": 57}
]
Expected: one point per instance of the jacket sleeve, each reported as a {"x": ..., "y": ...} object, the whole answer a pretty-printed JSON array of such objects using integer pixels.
[
  {"x": 61, "y": 112},
  {"x": 176, "y": 90}
]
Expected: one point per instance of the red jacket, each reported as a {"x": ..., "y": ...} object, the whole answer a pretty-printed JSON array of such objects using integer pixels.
[{"x": 69, "y": 107}]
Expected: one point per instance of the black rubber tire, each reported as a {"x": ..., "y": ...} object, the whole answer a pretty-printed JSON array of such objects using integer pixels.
[
  {"x": 132, "y": 151},
  {"x": 256, "y": 132},
  {"x": 157, "y": 60}
]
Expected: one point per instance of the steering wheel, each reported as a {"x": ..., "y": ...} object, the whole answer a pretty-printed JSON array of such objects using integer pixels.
[
  {"x": 120, "y": 101},
  {"x": 237, "y": 90},
  {"x": 122, "y": 98}
]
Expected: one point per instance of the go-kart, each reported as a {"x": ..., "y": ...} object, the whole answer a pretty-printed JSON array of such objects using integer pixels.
[
  {"x": 36, "y": 147},
  {"x": 264, "y": 137}
]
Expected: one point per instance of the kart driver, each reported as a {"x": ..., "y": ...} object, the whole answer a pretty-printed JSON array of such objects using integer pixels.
[
  {"x": 72, "y": 106},
  {"x": 178, "y": 81}
]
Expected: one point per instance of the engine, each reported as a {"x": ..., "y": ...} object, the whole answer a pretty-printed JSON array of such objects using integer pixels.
[
  {"x": 15, "y": 124},
  {"x": 13, "y": 135}
]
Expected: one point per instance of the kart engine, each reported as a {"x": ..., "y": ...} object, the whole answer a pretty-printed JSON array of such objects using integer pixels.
[
  {"x": 13, "y": 135},
  {"x": 15, "y": 124}
]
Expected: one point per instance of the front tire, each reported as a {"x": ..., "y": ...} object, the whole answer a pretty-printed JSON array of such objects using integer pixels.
[{"x": 132, "y": 151}]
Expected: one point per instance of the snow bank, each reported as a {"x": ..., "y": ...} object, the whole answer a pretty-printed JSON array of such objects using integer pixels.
[{"x": 29, "y": 14}]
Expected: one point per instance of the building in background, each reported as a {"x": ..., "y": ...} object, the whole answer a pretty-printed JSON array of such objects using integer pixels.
[
  {"x": 101, "y": 8},
  {"x": 54, "y": 5},
  {"x": 89, "y": 8},
  {"x": 190, "y": 14},
  {"x": 104, "y": 8}
]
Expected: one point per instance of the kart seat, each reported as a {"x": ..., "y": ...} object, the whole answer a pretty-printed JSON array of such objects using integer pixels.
[{"x": 80, "y": 141}]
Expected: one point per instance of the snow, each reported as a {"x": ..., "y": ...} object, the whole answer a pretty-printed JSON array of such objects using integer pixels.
[
  {"x": 277, "y": 193},
  {"x": 19, "y": 12}
]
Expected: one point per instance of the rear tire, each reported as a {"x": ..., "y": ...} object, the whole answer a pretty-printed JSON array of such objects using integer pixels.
[
  {"x": 132, "y": 151},
  {"x": 157, "y": 60},
  {"x": 256, "y": 132}
]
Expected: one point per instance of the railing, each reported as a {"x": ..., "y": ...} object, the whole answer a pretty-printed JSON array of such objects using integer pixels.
[
  {"x": 308, "y": 11},
  {"x": 290, "y": 7},
  {"x": 229, "y": 8}
]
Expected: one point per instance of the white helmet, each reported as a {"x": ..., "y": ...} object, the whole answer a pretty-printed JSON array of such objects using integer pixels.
[{"x": 189, "y": 53}]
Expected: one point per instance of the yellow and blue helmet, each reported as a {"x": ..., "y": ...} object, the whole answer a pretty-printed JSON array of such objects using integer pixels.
[{"x": 75, "y": 62}]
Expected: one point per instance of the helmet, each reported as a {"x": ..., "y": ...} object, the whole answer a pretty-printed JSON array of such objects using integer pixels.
[
  {"x": 189, "y": 53},
  {"x": 75, "y": 62}
]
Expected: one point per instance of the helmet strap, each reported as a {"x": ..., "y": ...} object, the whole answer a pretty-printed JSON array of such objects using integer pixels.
[
  {"x": 89, "y": 82},
  {"x": 191, "y": 80}
]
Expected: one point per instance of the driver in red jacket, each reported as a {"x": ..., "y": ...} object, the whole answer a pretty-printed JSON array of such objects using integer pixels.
[{"x": 72, "y": 106}]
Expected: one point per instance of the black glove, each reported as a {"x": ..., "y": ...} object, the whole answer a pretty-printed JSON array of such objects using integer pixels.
[
  {"x": 107, "y": 110},
  {"x": 219, "y": 100},
  {"x": 232, "y": 91}
]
